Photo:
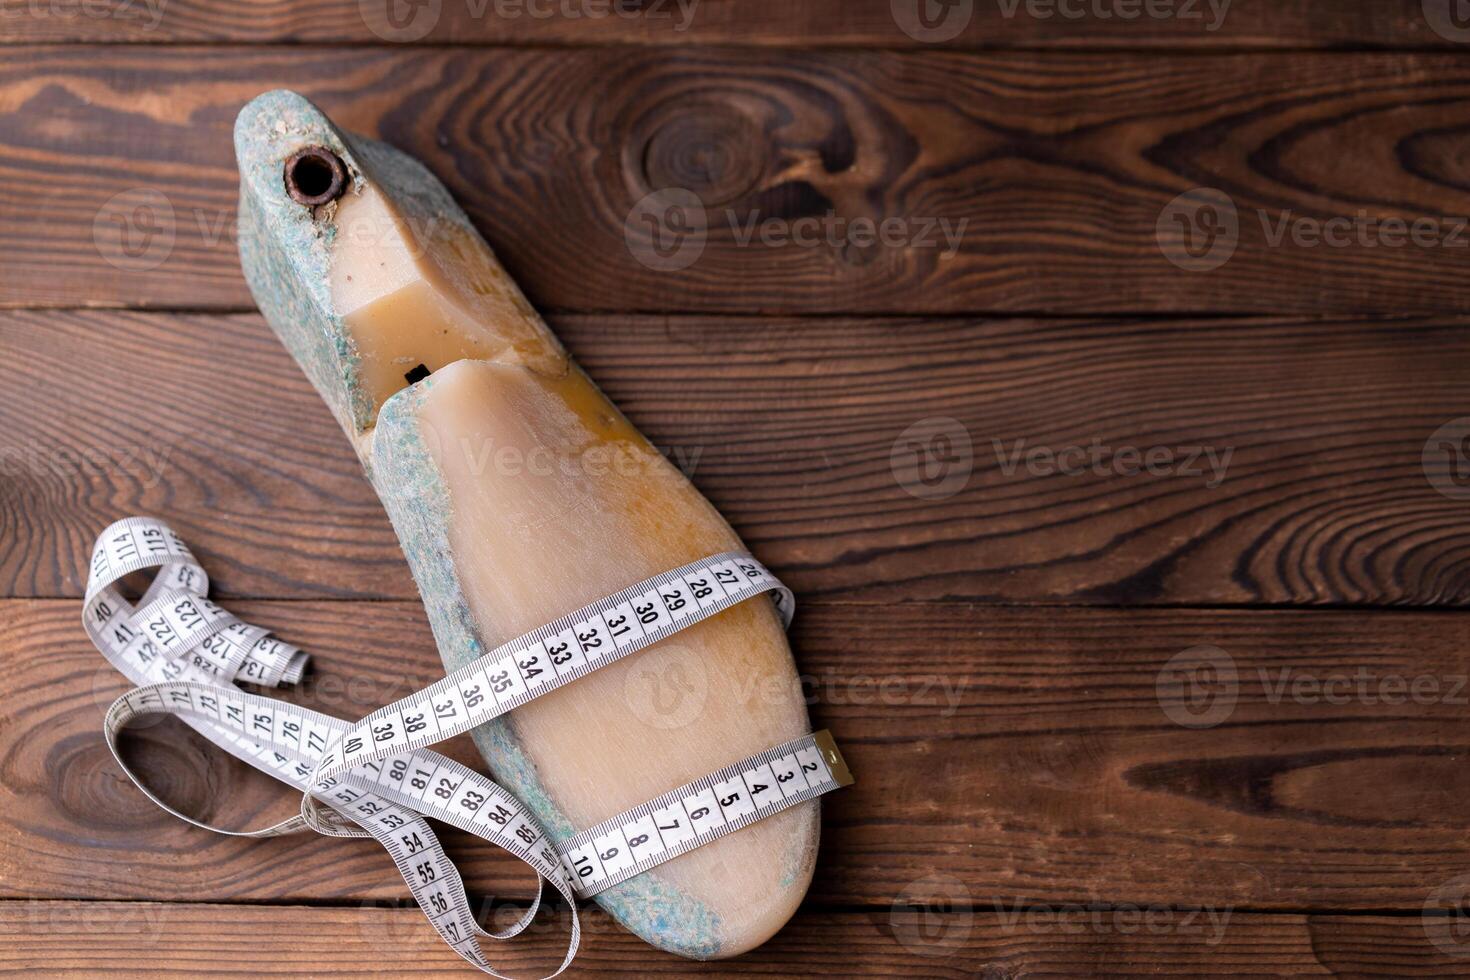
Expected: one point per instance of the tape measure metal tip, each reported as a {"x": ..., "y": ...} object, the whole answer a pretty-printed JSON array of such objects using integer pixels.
[{"x": 833, "y": 758}]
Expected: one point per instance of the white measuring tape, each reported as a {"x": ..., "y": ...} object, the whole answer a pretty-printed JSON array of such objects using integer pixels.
[{"x": 376, "y": 776}]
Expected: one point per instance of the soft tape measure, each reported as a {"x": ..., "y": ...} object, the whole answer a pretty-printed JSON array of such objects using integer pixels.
[{"x": 376, "y": 777}]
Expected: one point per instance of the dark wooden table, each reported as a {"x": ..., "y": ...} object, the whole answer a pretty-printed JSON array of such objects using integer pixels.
[{"x": 1132, "y": 535}]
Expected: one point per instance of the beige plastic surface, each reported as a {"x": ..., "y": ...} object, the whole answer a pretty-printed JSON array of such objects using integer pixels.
[{"x": 555, "y": 501}]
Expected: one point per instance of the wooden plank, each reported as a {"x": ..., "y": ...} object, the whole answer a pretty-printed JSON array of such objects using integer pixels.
[
  {"x": 195, "y": 940},
  {"x": 815, "y": 23},
  {"x": 116, "y": 165},
  {"x": 1027, "y": 754},
  {"x": 796, "y": 430}
]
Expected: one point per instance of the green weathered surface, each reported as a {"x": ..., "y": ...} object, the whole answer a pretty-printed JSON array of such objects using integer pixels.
[{"x": 284, "y": 247}]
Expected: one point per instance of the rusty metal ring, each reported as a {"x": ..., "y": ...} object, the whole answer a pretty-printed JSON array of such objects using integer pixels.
[{"x": 315, "y": 176}]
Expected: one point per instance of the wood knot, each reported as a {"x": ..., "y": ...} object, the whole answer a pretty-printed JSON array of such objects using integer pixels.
[
  {"x": 712, "y": 149},
  {"x": 88, "y": 786}
]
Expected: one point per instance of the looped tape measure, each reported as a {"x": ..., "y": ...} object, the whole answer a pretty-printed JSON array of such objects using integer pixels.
[{"x": 377, "y": 777}]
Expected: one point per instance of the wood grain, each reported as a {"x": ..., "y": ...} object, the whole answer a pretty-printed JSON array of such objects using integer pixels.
[
  {"x": 816, "y": 23},
  {"x": 1022, "y": 755},
  {"x": 795, "y": 428},
  {"x": 550, "y": 150},
  {"x": 1104, "y": 723},
  {"x": 195, "y": 940}
]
